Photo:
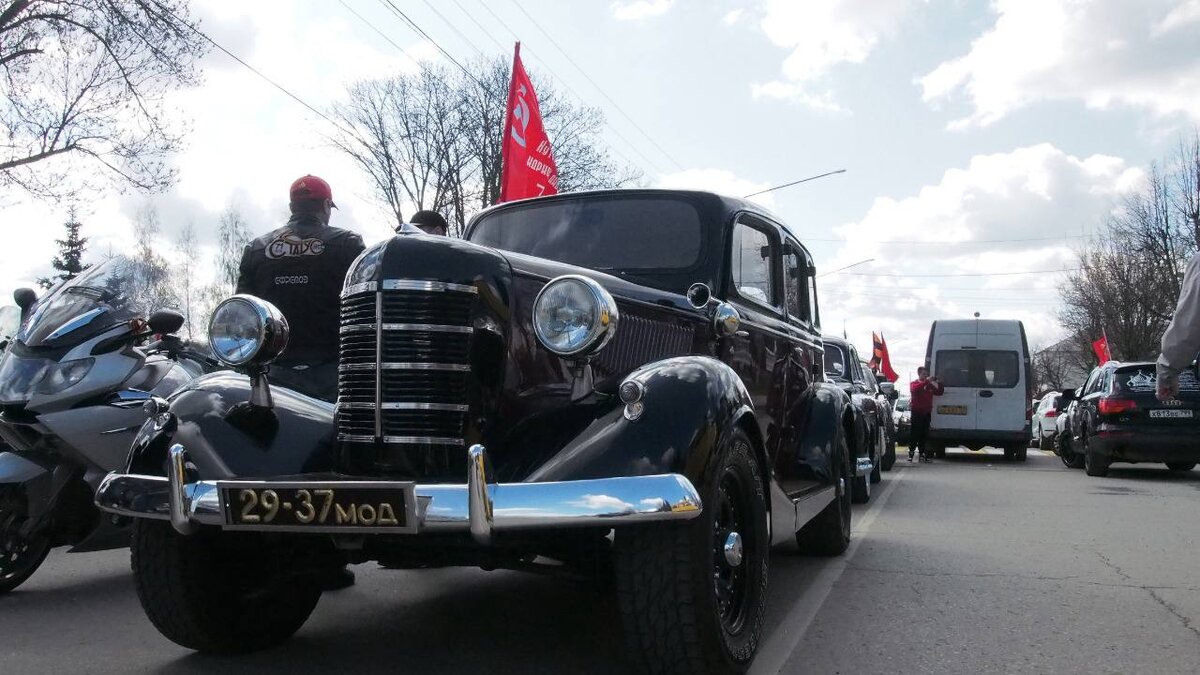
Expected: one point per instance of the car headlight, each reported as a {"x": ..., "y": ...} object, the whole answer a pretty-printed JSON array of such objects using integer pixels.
[
  {"x": 60, "y": 376},
  {"x": 245, "y": 329},
  {"x": 574, "y": 316}
]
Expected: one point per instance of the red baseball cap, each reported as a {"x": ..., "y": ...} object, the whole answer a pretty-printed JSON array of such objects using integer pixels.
[{"x": 311, "y": 187}]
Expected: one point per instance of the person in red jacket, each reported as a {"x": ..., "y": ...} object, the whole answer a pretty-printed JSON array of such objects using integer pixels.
[{"x": 923, "y": 389}]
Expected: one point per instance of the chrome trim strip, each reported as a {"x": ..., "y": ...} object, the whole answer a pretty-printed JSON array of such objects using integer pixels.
[
  {"x": 356, "y": 438},
  {"x": 178, "y": 494},
  {"x": 431, "y": 440},
  {"x": 427, "y": 327},
  {"x": 405, "y": 327},
  {"x": 404, "y": 405},
  {"x": 420, "y": 285},
  {"x": 364, "y": 287},
  {"x": 378, "y": 358},
  {"x": 607, "y": 502},
  {"x": 397, "y": 365}
]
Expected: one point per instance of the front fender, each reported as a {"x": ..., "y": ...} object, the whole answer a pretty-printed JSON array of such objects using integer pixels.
[
  {"x": 226, "y": 437},
  {"x": 689, "y": 405},
  {"x": 827, "y": 415}
]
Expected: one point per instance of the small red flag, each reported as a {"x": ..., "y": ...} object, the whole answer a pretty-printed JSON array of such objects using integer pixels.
[
  {"x": 881, "y": 361},
  {"x": 1101, "y": 348},
  {"x": 528, "y": 168}
]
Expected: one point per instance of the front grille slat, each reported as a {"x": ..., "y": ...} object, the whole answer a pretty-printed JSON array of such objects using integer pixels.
[{"x": 404, "y": 375}]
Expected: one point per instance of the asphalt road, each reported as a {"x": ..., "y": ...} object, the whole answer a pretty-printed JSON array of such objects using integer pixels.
[{"x": 971, "y": 564}]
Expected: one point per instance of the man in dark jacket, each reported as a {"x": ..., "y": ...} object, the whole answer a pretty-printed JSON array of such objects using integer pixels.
[
  {"x": 430, "y": 222},
  {"x": 300, "y": 268},
  {"x": 923, "y": 389}
]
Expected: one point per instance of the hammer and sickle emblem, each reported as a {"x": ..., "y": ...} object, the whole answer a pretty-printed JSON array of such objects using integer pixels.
[{"x": 521, "y": 114}]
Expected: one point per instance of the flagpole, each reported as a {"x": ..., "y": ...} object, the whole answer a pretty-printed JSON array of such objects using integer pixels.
[
  {"x": 1107, "y": 346},
  {"x": 508, "y": 117}
]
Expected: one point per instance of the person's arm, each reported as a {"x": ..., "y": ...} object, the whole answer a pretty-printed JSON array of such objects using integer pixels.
[
  {"x": 245, "y": 280},
  {"x": 1181, "y": 341},
  {"x": 938, "y": 388}
]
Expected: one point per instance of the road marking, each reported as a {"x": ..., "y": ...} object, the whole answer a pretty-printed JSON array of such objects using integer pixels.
[{"x": 778, "y": 648}]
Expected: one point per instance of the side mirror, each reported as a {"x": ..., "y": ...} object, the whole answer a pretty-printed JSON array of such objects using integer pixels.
[
  {"x": 1066, "y": 397},
  {"x": 165, "y": 321},
  {"x": 24, "y": 297}
]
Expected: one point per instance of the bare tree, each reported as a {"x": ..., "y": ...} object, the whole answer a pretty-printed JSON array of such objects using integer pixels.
[
  {"x": 184, "y": 269},
  {"x": 433, "y": 139},
  {"x": 151, "y": 286},
  {"x": 84, "y": 82},
  {"x": 1131, "y": 274}
]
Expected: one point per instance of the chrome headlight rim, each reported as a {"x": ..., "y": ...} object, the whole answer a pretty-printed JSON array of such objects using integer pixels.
[
  {"x": 271, "y": 331},
  {"x": 606, "y": 310}
]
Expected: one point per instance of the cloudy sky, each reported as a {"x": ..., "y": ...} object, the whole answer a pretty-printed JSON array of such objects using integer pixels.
[{"x": 982, "y": 140}]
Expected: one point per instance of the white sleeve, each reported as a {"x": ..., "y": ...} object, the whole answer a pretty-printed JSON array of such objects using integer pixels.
[{"x": 1181, "y": 341}]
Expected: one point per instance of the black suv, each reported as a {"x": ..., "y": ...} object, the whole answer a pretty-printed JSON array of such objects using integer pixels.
[
  {"x": 622, "y": 382},
  {"x": 1117, "y": 418}
]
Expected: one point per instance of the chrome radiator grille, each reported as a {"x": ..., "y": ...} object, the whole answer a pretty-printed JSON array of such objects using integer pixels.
[
  {"x": 639, "y": 341},
  {"x": 403, "y": 372}
]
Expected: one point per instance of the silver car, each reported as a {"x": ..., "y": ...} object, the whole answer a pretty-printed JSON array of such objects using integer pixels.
[{"x": 1045, "y": 415}]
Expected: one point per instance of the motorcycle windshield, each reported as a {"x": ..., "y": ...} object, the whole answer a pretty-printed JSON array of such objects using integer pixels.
[
  {"x": 102, "y": 296},
  {"x": 10, "y": 321}
]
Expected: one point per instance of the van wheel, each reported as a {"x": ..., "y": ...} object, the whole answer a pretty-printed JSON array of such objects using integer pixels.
[
  {"x": 829, "y": 532},
  {"x": 693, "y": 595},
  {"x": 1022, "y": 453}
]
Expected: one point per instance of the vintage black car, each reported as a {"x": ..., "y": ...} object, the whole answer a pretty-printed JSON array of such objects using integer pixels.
[
  {"x": 1118, "y": 418},
  {"x": 845, "y": 369},
  {"x": 622, "y": 381}
]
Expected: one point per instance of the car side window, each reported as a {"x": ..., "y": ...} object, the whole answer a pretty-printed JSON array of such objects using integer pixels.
[
  {"x": 1092, "y": 381},
  {"x": 750, "y": 263},
  {"x": 795, "y": 285}
]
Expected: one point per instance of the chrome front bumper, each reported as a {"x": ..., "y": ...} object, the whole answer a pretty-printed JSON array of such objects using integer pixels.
[{"x": 478, "y": 507}]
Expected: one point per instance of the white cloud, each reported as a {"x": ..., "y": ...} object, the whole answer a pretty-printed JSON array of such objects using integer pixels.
[
  {"x": 1105, "y": 53},
  {"x": 640, "y": 9},
  {"x": 720, "y": 181},
  {"x": 822, "y": 35},
  {"x": 733, "y": 16},
  {"x": 1031, "y": 194}
]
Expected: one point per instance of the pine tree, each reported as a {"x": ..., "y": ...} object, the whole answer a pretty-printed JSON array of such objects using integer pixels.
[{"x": 69, "y": 261}]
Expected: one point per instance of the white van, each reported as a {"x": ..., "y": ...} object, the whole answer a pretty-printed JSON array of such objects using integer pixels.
[{"x": 985, "y": 368}]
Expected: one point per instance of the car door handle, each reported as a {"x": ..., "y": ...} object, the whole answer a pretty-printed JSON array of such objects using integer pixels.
[{"x": 985, "y": 393}]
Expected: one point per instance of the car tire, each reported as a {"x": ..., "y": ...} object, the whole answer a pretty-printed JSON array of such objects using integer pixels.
[
  {"x": 1094, "y": 464},
  {"x": 860, "y": 490},
  {"x": 215, "y": 592},
  {"x": 1033, "y": 439},
  {"x": 1022, "y": 453},
  {"x": 1062, "y": 447},
  {"x": 1181, "y": 466},
  {"x": 685, "y": 608},
  {"x": 20, "y": 556},
  {"x": 938, "y": 450},
  {"x": 889, "y": 457},
  {"x": 1045, "y": 443},
  {"x": 1010, "y": 453},
  {"x": 829, "y": 533}
]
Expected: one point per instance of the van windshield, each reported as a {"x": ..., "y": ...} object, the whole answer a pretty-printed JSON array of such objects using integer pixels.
[{"x": 979, "y": 368}]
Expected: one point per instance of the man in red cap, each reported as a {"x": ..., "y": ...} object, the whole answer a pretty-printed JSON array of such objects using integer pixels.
[{"x": 300, "y": 268}]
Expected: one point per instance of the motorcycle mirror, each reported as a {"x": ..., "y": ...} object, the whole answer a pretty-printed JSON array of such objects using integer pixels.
[
  {"x": 165, "y": 321},
  {"x": 24, "y": 297}
]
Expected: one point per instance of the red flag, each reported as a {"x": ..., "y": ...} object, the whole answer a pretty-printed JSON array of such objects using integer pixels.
[
  {"x": 527, "y": 168},
  {"x": 1101, "y": 348},
  {"x": 881, "y": 361}
]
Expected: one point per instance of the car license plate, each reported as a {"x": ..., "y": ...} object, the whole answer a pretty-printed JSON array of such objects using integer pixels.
[
  {"x": 357, "y": 505},
  {"x": 952, "y": 410},
  {"x": 1171, "y": 414}
]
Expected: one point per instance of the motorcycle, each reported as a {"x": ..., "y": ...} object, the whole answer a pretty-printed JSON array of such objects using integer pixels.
[{"x": 74, "y": 380}]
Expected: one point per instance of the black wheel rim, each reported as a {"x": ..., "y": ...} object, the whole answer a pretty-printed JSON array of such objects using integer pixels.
[
  {"x": 731, "y": 582},
  {"x": 18, "y": 554}
]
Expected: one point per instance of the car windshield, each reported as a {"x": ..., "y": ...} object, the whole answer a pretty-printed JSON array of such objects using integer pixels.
[
  {"x": 611, "y": 234},
  {"x": 108, "y": 293}
]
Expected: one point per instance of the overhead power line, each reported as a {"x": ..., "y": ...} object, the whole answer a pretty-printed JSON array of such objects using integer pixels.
[
  {"x": 964, "y": 274},
  {"x": 251, "y": 68},
  {"x": 421, "y": 32},
  {"x": 381, "y": 33},
  {"x": 478, "y": 25},
  {"x": 454, "y": 28},
  {"x": 598, "y": 87},
  {"x": 795, "y": 182}
]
